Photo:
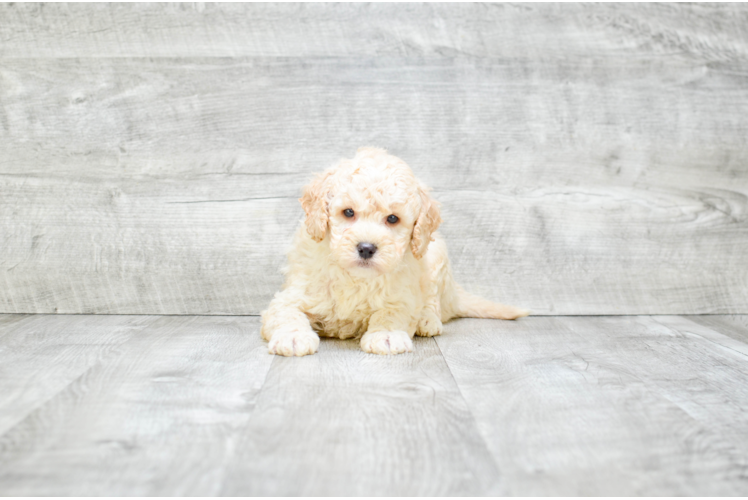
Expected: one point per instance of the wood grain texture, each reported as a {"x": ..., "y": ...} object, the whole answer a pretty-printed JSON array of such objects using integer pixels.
[
  {"x": 458, "y": 120},
  {"x": 185, "y": 405},
  {"x": 130, "y": 246},
  {"x": 133, "y": 246},
  {"x": 162, "y": 216},
  {"x": 344, "y": 422},
  {"x": 8, "y": 322},
  {"x": 591, "y": 159},
  {"x": 341, "y": 30},
  {"x": 159, "y": 416},
  {"x": 41, "y": 356},
  {"x": 734, "y": 326},
  {"x": 605, "y": 406},
  {"x": 722, "y": 332},
  {"x": 178, "y": 411}
]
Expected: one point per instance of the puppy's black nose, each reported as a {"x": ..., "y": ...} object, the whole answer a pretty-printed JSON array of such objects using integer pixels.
[{"x": 366, "y": 250}]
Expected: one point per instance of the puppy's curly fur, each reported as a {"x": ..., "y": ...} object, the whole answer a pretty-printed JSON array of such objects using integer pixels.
[{"x": 356, "y": 271}]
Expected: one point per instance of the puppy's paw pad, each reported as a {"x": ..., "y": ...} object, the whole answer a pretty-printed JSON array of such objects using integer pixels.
[
  {"x": 429, "y": 325},
  {"x": 394, "y": 342},
  {"x": 293, "y": 343}
]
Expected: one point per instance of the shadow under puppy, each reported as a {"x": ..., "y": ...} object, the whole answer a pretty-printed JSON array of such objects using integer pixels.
[{"x": 366, "y": 262}]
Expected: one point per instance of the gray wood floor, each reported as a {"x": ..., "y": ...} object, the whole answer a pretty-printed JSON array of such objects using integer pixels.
[{"x": 194, "y": 405}]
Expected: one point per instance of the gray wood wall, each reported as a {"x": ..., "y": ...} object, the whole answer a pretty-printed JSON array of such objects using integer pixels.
[{"x": 590, "y": 159}]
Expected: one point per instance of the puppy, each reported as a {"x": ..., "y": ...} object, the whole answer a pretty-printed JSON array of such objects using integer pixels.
[{"x": 367, "y": 263}]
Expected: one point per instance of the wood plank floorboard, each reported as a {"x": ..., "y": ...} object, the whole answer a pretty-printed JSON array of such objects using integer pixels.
[
  {"x": 41, "y": 355},
  {"x": 157, "y": 418},
  {"x": 9, "y": 322},
  {"x": 604, "y": 405},
  {"x": 186, "y": 405},
  {"x": 345, "y": 422},
  {"x": 732, "y": 325}
]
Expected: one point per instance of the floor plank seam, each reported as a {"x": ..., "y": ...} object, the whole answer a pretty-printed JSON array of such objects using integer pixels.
[
  {"x": 472, "y": 414},
  {"x": 707, "y": 339},
  {"x": 99, "y": 363},
  {"x": 40, "y": 406}
]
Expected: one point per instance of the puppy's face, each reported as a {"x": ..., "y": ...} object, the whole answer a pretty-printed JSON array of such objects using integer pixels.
[
  {"x": 370, "y": 224},
  {"x": 374, "y": 211}
]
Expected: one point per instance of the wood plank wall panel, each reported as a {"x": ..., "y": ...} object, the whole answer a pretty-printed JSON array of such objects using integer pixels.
[
  {"x": 326, "y": 30},
  {"x": 590, "y": 159}
]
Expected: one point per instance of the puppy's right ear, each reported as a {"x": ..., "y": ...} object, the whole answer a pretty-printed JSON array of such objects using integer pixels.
[{"x": 314, "y": 202}]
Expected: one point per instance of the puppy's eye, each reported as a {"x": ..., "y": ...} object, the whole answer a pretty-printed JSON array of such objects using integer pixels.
[
  {"x": 348, "y": 212},
  {"x": 392, "y": 219}
]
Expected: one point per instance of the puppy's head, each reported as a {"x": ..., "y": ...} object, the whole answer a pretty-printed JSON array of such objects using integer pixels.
[{"x": 374, "y": 211}]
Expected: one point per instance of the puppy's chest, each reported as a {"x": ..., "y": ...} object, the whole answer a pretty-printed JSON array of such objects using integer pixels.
[
  {"x": 342, "y": 317},
  {"x": 340, "y": 328},
  {"x": 344, "y": 310}
]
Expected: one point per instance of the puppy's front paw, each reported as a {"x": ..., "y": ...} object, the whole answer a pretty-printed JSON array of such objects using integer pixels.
[
  {"x": 429, "y": 325},
  {"x": 293, "y": 343},
  {"x": 385, "y": 342}
]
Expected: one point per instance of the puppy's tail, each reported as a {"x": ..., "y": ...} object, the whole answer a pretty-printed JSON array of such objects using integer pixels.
[{"x": 472, "y": 306}]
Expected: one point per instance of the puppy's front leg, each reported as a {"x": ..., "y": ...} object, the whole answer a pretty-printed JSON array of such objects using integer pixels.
[
  {"x": 390, "y": 332},
  {"x": 287, "y": 328}
]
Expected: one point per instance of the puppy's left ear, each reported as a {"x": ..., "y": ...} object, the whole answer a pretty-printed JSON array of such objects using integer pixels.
[
  {"x": 314, "y": 202},
  {"x": 428, "y": 221}
]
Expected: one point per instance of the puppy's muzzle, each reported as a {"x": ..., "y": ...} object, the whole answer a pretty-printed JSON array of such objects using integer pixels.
[{"x": 366, "y": 250}]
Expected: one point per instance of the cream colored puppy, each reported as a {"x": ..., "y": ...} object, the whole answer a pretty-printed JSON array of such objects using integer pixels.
[{"x": 366, "y": 262}]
